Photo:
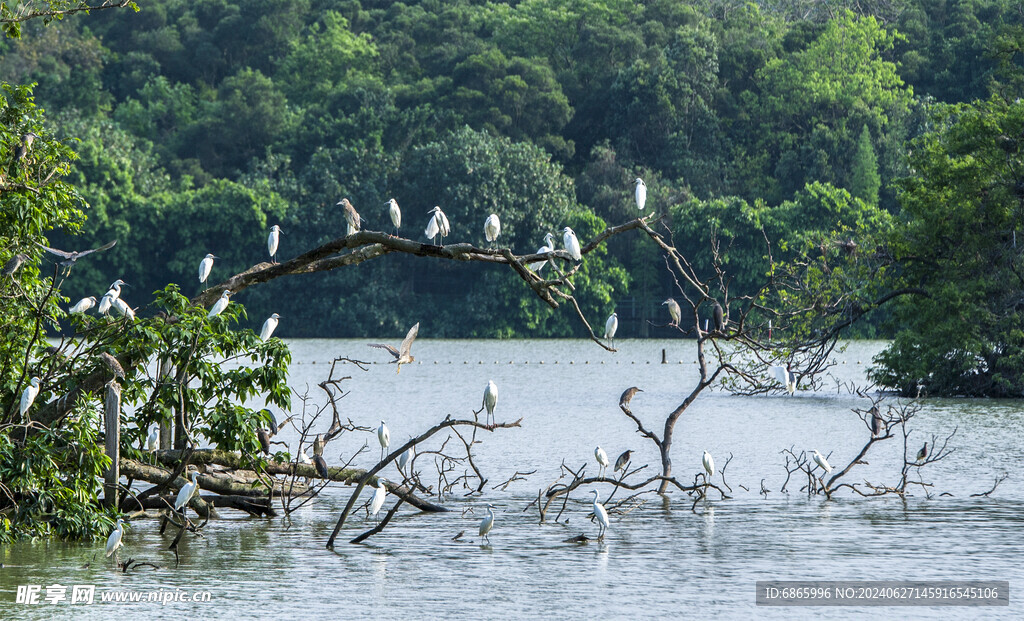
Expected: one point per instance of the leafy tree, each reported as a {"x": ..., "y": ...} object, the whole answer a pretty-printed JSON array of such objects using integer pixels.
[{"x": 864, "y": 181}]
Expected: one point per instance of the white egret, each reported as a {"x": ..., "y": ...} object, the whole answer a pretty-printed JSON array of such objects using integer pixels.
[
  {"x": 383, "y": 437},
  {"x": 402, "y": 355},
  {"x": 821, "y": 461},
  {"x": 396, "y": 214},
  {"x": 641, "y": 193},
  {"x": 709, "y": 464},
  {"x": 105, "y": 303},
  {"x": 83, "y": 305},
  {"x": 272, "y": 241},
  {"x": 487, "y": 523},
  {"x": 205, "y": 266},
  {"x": 611, "y": 326},
  {"x": 220, "y": 304},
  {"x": 269, "y": 326},
  {"x": 153, "y": 440},
  {"x": 114, "y": 540},
  {"x": 438, "y": 225},
  {"x": 351, "y": 216},
  {"x": 719, "y": 317},
  {"x": 674, "y": 311},
  {"x": 601, "y": 515},
  {"x": 572, "y": 245},
  {"x": 549, "y": 246},
  {"x": 113, "y": 293},
  {"x": 923, "y": 453},
  {"x": 186, "y": 492},
  {"x": 623, "y": 460},
  {"x": 602, "y": 460},
  {"x": 492, "y": 227},
  {"x": 786, "y": 377},
  {"x": 122, "y": 307},
  {"x": 303, "y": 458},
  {"x": 490, "y": 398},
  {"x": 29, "y": 395},
  {"x": 406, "y": 457},
  {"x": 378, "y": 497}
]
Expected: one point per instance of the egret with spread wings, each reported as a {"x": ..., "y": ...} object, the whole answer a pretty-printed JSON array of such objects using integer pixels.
[{"x": 402, "y": 355}]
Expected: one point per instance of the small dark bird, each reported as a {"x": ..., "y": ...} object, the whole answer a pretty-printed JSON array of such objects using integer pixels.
[
  {"x": 273, "y": 421},
  {"x": 68, "y": 258},
  {"x": 628, "y": 396},
  {"x": 459, "y": 536},
  {"x": 25, "y": 146},
  {"x": 321, "y": 467},
  {"x": 318, "y": 444},
  {"x": 623, "y": 460},
  {"x": 14, "y": 263},
  {"x": 719, "y": 317},
  {"x": 351, "y": 216},
  {"x": 264, "y": 440},
  {"x": 849, "y": 245},
  {"x": 112, "y": 364},
  {"x": 923, "y": 453},
  {"x": 876, "y": 422},
  {"x": 402, "y": 355}
]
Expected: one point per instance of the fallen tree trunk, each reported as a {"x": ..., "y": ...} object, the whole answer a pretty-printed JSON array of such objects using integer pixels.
[
  {"x": 252, "y": 506},
  {"x": 138, "y": 470},
  {"x": 218, "y": 483}
]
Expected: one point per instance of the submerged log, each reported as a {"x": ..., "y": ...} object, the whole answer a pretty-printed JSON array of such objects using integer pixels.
[
  {"x": 349, "y": 476},
  {"x": 252, "y": 506},
  {"x": 138, "y": 470}
]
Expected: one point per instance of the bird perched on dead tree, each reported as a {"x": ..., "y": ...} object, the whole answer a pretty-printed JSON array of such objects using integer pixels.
[
  {"x": 113, "y": 365},
  {"x": 627, "y": 396},
  {"x": 623, "y": 460},
  {"x": 402, "y": 355},
  {"x": 68, "y": 258},
  {"x": 351, "y": 216}
]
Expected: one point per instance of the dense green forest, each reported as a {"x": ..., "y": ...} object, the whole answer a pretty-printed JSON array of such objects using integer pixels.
[{"x": 199, "y": 125}]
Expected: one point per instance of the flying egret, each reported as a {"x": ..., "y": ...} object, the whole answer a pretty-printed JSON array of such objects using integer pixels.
[
  {"x": 114, "y": 540},
  {"x": 383, "y": 437},
  {"x": 623, "y": 460},
  {"x": 438, "y": 225},
  {"x": 877, "y": 424},
  {"x": 186, "y": 492},
  {"x": 602, "y": 460},
  {"x": 29, "y": 395},
  {"x": 786, "y": 377},
  {"x": 923, "y": 453},
  {"x": 487, "y": 523},
  {"x": 821, "y": 461},
  {"x": 272, "y": 241},
  {"x": 220, "y": 304},
  {"x": 674, "y": 311},
  {"x": 490, "y": 398},
  {"x": 396, "y": 214},
  {"x": 264, "y": 438},
  {"x": 68, "y": 258},
  {"x": 269, "y": 326},
  {"x": 153, "y": 440},
  {"x": 406, "y": 457},
  {"x": 627, "y": 396},
  {"x": 709, "y": 464},
  {"x": 351, "y": 216},
  {"x": 719, "y": 317},
  {"x": 321, "y": 467},
  {"x": 641, "y": 193},
  {"x": 122, "y": 307},
  {"x": 492, "y": 227},
  {"x": 83, "y": 305},
  {"x": 378, "y": 497},
  {"x": 205, "y": 266},
  {"x": 572, "y": 245},
  {"x": 402, "y": 355},
  {"x": 14, "y": 263},
  {"x": 601, "y": 515},
  {"x": 611, "y": 326},
  {"x": 549, "y": 246}
]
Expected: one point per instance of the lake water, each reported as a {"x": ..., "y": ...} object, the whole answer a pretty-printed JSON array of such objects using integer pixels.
[{"x": 661, "y": 560}]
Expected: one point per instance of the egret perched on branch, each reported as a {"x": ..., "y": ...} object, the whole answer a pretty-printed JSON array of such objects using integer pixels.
[
  {"x": 572, "y": 245},
  {"x": 402, "y": 355},
  {"x": 351, "y": 216},
  {"x": 602, "y": 460},
  {"x": 220, "y": 304},
  {"x": 272, "y": 240},
  {"x": 28, "y": 395},
  {"x": 269, "y": 326},
  {"x": 674, "y": 311},
  {"x": 611, "y": 326},
  {"x": 378, "y": 497},
  {"x": 623, "y": 460},
  {"x": 114, "y": 540},
  {"x": 601, "y": 515},
  {"x": 549, "y": 246},
  {"x": 186, "y": 492},
  {"x": 641, "y": 193},
  {"x": 821, "y": 461},
  {"x": 438, "y": 225},
  {"x": 487, "y": 523},
  {"x": 786, "y": 377},
  {"x": 153, "y": 440},
  {"x": 205, "y": 266},
  {"x": 123, "y": 308},
  {"x": 383, "y": 437},
  {"x": 709, "y": 464},
  {"x": 490, "y": 398},
  {"x": 405, "y": 458},
  {"x": 492, "y": 227},
  {"x": 83, "y": 305},
  {"x": 395, "y": 213},
  {"x": 113, "y": 293}
]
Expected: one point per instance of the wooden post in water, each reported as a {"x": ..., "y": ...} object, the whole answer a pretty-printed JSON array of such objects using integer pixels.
[
  {"x": 164, "y": 369},
  {"x": 112, "y": 427},
  {"x": 664, "y": 360}
]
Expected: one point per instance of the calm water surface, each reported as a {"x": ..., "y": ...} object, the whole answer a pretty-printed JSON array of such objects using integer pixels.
[{"x": 661, "y": 560}]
